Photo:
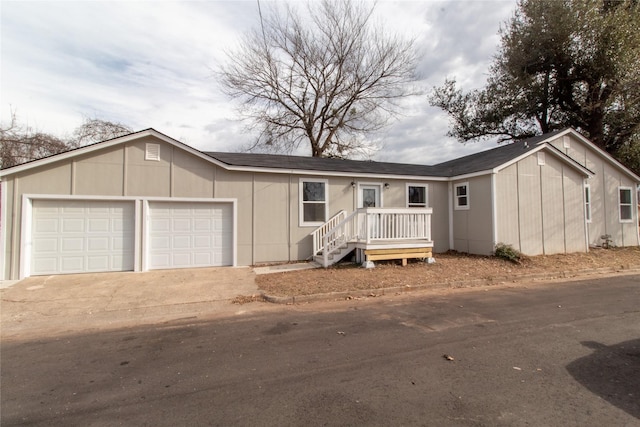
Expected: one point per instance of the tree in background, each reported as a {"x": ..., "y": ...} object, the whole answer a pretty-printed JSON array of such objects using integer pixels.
[
  {"x": 561, "y": 63},
  {"x": 21, "y": 143},
  {"x": 325, "y": 80}
]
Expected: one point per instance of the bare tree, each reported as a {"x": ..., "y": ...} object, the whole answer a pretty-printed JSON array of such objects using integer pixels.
[
  {"x": 328, "y": 79},
  {"x": 21, "y": 143},
  {"x": 96, "y": 130}
]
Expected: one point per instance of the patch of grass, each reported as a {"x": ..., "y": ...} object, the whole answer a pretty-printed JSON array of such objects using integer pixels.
[{"x": 507, "y": 252}]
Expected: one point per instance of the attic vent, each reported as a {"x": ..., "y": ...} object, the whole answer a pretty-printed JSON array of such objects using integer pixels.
[
  {"x": 566, "y": 143},
  {"x": 541, "y": 159},
  {"x": 152, "y": 152}
]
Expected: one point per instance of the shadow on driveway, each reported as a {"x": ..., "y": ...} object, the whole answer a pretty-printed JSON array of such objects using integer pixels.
[{"x": 611, "y": 372}]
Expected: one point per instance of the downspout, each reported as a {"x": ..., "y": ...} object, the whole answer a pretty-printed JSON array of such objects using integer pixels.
[
  {"x": 494, "y": 213},
  {"x": 288, "y": 204},
  {"x": 253, "y": 218},
  {"x": 72, "y": 184},
  {"x": 3, "y": 228},
  {"x": 450, "y": 185},
  {"x": 544, "y": 240},
  {"x": 584, "y": 204}
]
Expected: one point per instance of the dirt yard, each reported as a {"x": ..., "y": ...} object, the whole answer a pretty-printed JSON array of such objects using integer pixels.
[{"x": 449, "y": 267}]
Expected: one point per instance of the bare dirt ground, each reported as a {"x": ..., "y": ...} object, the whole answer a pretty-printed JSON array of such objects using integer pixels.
[{"x": 449, "y": 268}]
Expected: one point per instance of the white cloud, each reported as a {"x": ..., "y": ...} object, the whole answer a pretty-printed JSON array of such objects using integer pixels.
[{"x": 150, "y": 64}]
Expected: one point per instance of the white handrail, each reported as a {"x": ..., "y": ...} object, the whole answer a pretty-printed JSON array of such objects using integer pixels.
[
  {"x": 322, "y": 230},
  {"x": 371, "y": 224}
]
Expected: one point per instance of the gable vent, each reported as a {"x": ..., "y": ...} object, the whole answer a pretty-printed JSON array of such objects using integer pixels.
[
  {"x": 541, "y": 159},
  {"x": 152, "y": 152}
]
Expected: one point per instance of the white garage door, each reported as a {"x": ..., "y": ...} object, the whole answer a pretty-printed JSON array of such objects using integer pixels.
[
  {"x": 189, "y": 234},
  {"x": 80, "y": 236}
]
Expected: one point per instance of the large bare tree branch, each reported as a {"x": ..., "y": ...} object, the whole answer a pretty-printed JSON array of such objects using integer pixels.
[{"x": 326, "y": 79}]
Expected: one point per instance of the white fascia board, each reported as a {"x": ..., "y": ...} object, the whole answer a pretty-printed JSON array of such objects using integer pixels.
[
  {"x": 595, "y": 148},
  {"x": 470, "y": 175},
  {"x": 551, "y": 150},
  {"x": 106, "y": 144}
]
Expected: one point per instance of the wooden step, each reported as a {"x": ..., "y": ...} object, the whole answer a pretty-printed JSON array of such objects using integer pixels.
[{"x": 400, "y": 253}]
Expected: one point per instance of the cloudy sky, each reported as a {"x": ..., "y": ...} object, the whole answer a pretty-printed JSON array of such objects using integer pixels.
[{"x": 151, "y": 64}]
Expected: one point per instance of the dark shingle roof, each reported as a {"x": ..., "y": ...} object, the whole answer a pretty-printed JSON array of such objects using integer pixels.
[
  {"x": 273, "y": 161},
  {"x": 482, "y": 161},
  {"x": 493, "y": 158}
]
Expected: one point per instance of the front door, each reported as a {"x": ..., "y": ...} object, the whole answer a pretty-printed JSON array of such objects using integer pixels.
[{"x": 370, "y": 196}]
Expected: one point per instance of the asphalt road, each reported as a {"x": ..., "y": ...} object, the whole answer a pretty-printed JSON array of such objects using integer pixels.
[{"x": 561, "y": 354}]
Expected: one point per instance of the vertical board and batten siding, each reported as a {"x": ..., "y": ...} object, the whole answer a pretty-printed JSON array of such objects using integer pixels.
[
  {"x": 271, "y": 198},
  {"x": 553, "y": 207},
  {"x": 438, "y": 200},
  {"x": 604, "y": 187},
  {"x": 472, "y": 228},
  {"x": 540, "y": 207}
]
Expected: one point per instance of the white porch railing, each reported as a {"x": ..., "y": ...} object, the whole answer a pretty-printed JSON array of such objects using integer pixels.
[
  {"x": 322, "y": 230},
  {"x": 371, "y": 225},
  {"x": 395, "y": 224}
]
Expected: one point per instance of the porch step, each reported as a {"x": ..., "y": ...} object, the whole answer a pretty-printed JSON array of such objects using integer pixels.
[{"x": 335, "y": 256}]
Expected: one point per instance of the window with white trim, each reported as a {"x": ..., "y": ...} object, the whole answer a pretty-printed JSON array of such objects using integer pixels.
[
  {"x": 625, "y": 203},
  {"x": 416, "y": 196},
  {"x": 313, "y": 202},
  {"x": 461, "y": 196},
  {"x": 587, "y": 202}
]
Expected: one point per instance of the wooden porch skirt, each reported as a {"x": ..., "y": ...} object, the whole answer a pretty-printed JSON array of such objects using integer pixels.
[{"x": 398, "y": 253}]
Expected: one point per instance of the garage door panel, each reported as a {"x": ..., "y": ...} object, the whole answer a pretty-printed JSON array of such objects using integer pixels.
[
  {"x": 76, "y": 236},
  {"x": 71, "y": 245},
  {"x": 190, "y": 234},
  {"x": 70, "y": 225}
]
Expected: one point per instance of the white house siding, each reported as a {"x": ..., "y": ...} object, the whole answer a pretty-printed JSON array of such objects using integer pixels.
[
  {"x": 530, "y": 206},
  {"x": 439, "y": 202},
  {"x": 553, "y": 208},
  {"x": 604, "y": 193},
  {"x": 540, "y": 207},
  {"x": 472, "y": 228}
]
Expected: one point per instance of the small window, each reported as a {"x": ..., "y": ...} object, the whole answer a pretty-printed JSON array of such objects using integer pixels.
[
  {"x": 313, "y": 202},
  {"x": 152, "y": 152},
  {"x": 462, "y": 195},
  {"x": 416, "y": 196},
  {"x": 625, "y": 203},
  {"x": 587, "y": 202}
]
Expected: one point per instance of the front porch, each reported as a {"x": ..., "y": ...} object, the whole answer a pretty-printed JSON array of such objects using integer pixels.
[{"x": 375, "y": 234}]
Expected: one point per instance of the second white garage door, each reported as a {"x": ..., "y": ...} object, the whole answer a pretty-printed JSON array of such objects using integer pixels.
[{"x": 189, "y": 234}]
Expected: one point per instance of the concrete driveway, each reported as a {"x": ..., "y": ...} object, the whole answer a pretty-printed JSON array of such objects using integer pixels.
[{"x": 74, "y": 302}]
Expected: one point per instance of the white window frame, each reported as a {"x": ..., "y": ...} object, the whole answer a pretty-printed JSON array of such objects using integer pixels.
[
  {"x": 301, "y": 202},
  {"x": 630, "y": 204},
  {"x": 587, "y": 202},
  {"x": 456, "y": 198},
  {"x": 426, "y": 195}
]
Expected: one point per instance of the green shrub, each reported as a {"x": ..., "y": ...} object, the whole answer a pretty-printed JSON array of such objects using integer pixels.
[{"x": 509, "y": 253}]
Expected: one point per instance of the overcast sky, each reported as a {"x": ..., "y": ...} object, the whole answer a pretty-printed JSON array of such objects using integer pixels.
[{"x": 150, "y": 64}]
